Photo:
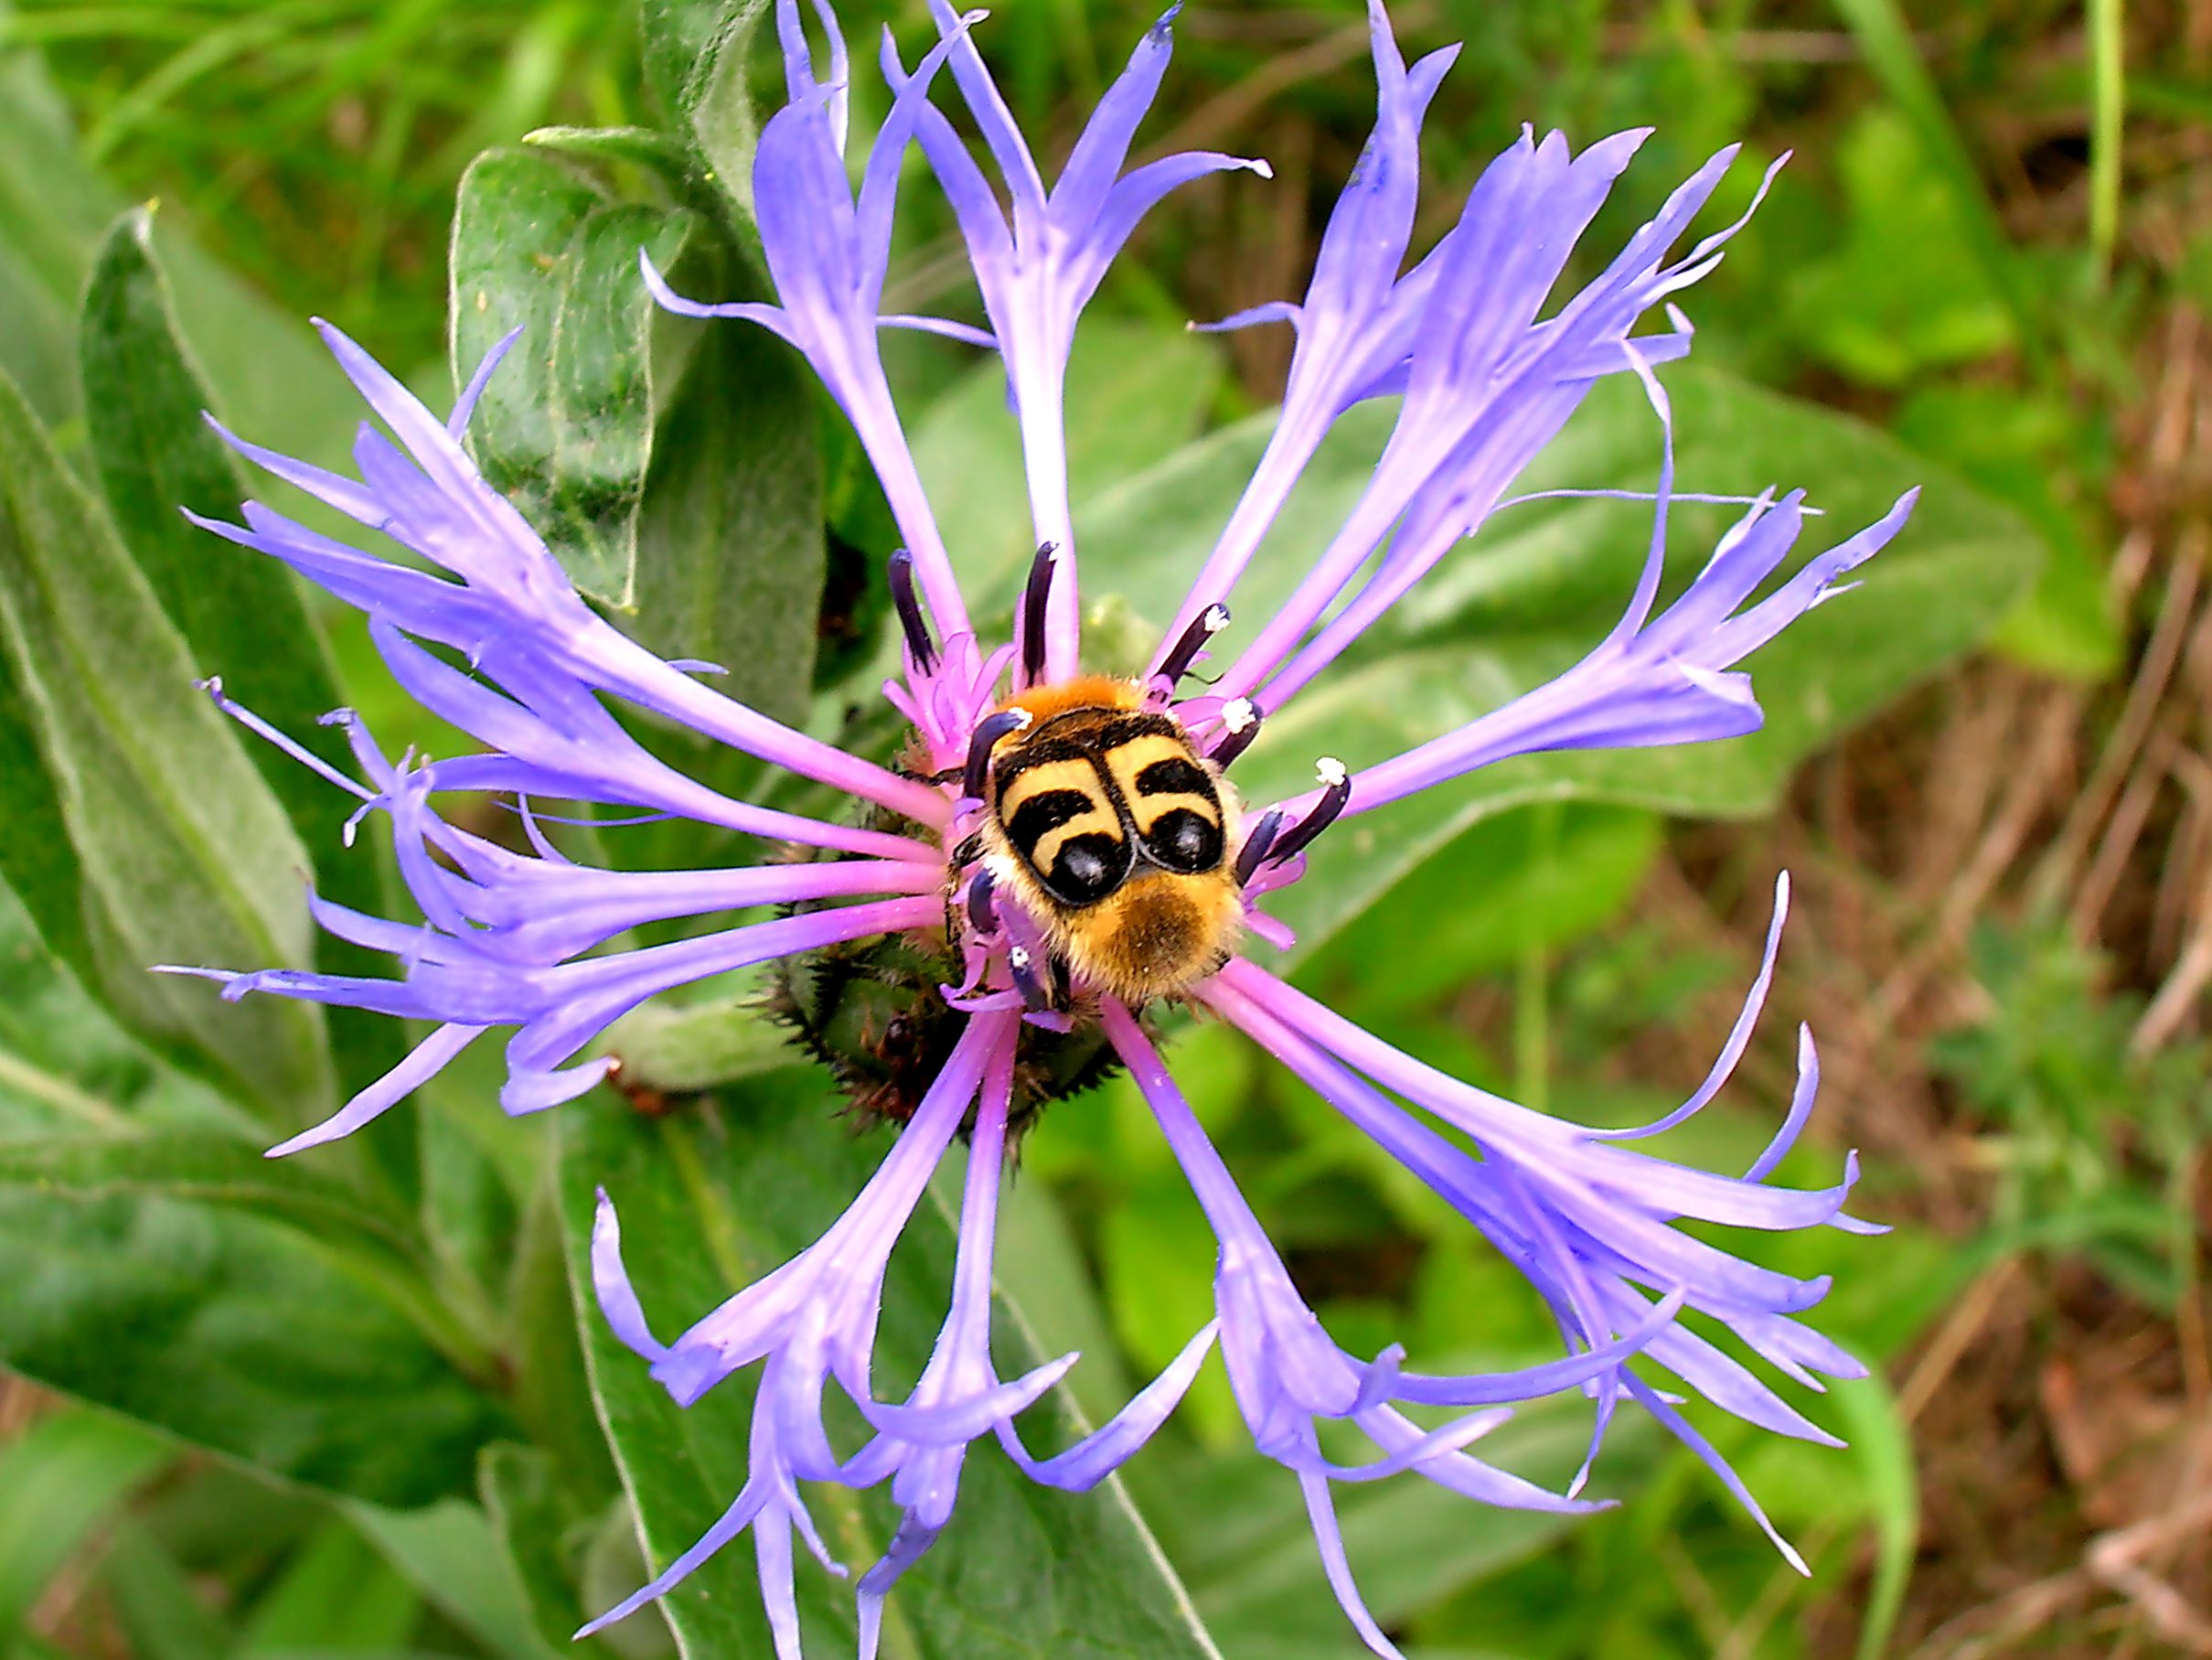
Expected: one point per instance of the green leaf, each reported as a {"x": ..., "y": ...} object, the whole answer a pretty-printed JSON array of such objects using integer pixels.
[
  {"x": 1893, "y": 56},
  {"x": 1533, "y": 898},
  {"x": 336, "y": 1595},
  {"x": 155, "y": 1600},
  {"x": 36, "y": 857},
  {"x": 731, "y": 553},
  {"x": 66, "y": 1067},
  {"x": 180, "y": 853},
  {"x": 1155, "y": 1253},
  {"x": 695, "y": 56},
  {"x": 54, "y": 209},
  {"x": 51, "y": 209},
  {"x": 530, "y": 1524},
  {"x": 683, "y": 484},
  {"x": 242, "y": 614},
  {"x": 553, "y": 1394},
  {"x": 240, "y": 1335},
  {"x": 448, "y": 1552},
  {"x": 1544, "y": 583},
  {"x": 241, "y": 617},
  {"x": 565, "y": 427},
  {"x": 2024, "y": 449},
  {"x": 711, "y": 1201},
  {"x": 642, "y": 147},
  {"x": 677, "y": 1048},
  {"x": 1040, "y": 1269},
  {"x": 60, "y": 1478},
  {"x": 1894, "y": 300},
  {"x": 199, "y": 1165}
]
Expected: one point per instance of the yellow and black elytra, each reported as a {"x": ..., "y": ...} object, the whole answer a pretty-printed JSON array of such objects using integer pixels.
[{"x": 1117, "y": 835}]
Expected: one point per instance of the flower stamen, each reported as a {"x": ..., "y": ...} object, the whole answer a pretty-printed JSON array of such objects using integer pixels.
[
  {"x": 1035, "y": 998},
  {"x": 1257, "y": 847},
  {"x": 920, "y": 645},
  {"x": 1241, "y": 721},
  {"x": 1336, "y": 791},
  {"x": 982, "y": 915},
  {"x": 1035, "y": 596},
  {"x": 979, "y": 746},
  {"x": 1187, "y": 650}
]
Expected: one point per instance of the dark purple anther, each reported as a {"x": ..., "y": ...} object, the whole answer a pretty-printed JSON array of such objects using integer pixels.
[
  {"x": 979, "y": 746},
  {"x": 1257, "y": 847},
  {"x": 919, "y": 646},
  {"x": 1033, "y": 597},
  {"x": 1203, "y": 627},
  {"x": 1294, "y": 841}
]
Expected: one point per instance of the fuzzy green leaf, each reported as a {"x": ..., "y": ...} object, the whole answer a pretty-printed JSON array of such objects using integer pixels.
[
  {"x": 713, "y": 1200},
  {"x": 241, "y": 614},
  {"x": 179, "y": 852},
  {"x": 565, "y": 427},
  {"x": 695, "y": 56},
  {"x": 238, "y": 1334}
]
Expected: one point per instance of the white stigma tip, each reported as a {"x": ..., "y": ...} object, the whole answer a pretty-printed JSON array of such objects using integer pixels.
[
  {"x": 1019, "y": 957},
  {"x": 1215, "y": 619},
  {"x": 1330, "y": 771},
  {"x": 1237, "y": 714}
]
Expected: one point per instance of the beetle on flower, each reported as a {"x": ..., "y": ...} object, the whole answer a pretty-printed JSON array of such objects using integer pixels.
[{"x": 1027, "y": 991}]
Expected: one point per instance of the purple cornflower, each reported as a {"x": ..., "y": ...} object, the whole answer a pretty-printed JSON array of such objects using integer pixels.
[{"x": 1484, "y": 377}]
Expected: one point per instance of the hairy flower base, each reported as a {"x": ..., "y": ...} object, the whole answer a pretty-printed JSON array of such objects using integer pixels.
[
  {"x": 874, "y": 1012},
  {"x": 931, "y": 988}
]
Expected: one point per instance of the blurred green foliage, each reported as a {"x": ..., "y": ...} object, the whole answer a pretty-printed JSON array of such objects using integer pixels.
[
  {"x": 2093, "y": 1138},
  {"x": 374, "y": 1429}
]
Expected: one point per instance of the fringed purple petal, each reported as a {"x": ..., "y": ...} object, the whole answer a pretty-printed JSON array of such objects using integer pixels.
[
  {"x": 1588, "y": 1222},
  {"x": 513, "y": 612},
  {"x": 1329, "y": 1538},
  {"x": 826, "y": 252},
  {"x": 1664, "y": 684},
  {"x": 427, "y": 1059},
  {"x": 1487, "y": 386},
  {"x": 813, "y": 1321},
  {"x": 1038, "y": 268},
  {"x": 626, "y": 1317},
  {"x": 1284, "y": 1371},
  {"x": 1098, "y": 1454},
  {"x": 1358, "y": 318}
]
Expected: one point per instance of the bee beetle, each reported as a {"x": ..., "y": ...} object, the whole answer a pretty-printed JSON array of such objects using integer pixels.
[{"x": 1116, "y": 835}]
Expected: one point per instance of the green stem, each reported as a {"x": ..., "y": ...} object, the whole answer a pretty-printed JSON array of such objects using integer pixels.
[
  {"x": 1532, "y": 969},
  {"x": 2108, "y": 70}
]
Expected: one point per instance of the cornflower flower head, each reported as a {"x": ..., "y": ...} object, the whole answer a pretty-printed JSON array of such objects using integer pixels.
[{"x": 1069, "y": 847}]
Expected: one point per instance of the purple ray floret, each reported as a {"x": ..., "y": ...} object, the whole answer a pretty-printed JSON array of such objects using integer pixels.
[
  {"x": 1037, "y": 267},
  {"x": 1487, "y": 355}
]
